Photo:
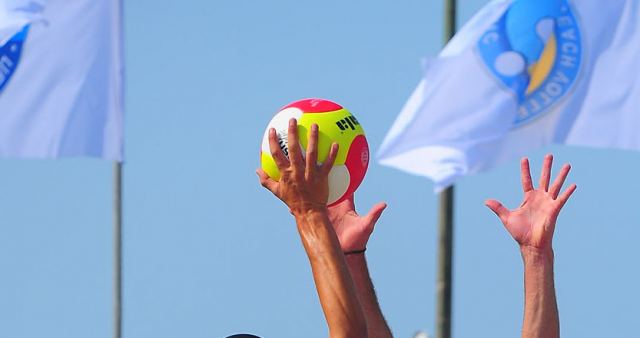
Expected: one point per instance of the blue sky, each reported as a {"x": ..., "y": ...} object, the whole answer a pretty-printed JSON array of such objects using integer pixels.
[{"x": 208, "y": 253}]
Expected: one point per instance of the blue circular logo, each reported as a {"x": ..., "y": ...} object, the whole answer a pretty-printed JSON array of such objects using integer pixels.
[
  {"x": 10, "y": 56},
  {"x": 534, "y": 50}
]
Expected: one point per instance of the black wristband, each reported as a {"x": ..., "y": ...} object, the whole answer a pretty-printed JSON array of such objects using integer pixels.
[{"x": 355, "y": 252}]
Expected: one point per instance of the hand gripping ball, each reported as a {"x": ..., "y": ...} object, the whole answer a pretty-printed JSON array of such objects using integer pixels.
[{"x": 335, "y": 124}]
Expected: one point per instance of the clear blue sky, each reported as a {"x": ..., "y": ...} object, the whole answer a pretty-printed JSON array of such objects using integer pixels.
[{"x": 208, "y": 253}]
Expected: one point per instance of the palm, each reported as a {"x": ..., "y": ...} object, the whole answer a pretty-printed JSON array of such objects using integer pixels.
[
  {"x": 532, "y": 224},
  {"x": 353, "y": 230},
  {"x": 534, "y": 221}
]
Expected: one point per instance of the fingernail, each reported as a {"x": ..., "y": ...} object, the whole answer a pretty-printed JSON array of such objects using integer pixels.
[
  {"x": 292, "y": 122},
  {"x": 314, "y": 127}
]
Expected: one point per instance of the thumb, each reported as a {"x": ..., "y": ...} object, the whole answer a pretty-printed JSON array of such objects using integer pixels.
[
  {"x": 266, "y": 181},
  {"x": 498, "y": 209},
  {"x": 374, "y": 214}
]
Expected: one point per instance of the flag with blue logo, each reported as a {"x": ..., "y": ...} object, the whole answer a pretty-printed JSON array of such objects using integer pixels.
[
  {"x": 519, "y": 75},
  {"x": 61, "y": 78}
]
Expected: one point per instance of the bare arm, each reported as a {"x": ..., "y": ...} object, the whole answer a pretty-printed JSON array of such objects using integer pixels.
[
  {"x": 353, "y": 232},
  {"x": 303, "y": 187},
  {"x": 532, "y": 226},
  {"x": 376, "y": 324},
  {"x": 541, "y": 311},
  {"x": 334, "y": 284}
]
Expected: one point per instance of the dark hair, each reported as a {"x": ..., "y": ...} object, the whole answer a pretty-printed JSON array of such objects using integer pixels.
[{"x": 243, "y": 335}]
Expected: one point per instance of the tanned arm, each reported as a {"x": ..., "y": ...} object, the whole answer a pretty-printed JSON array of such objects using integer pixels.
[
  {"x": 304, "y": 188},
  {"x": 532, "y": 226},
  {"x": 353, "y": 233}
]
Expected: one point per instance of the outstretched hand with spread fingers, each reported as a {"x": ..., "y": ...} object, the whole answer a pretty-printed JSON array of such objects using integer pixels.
[
  {"x": 352, "y": 229},
  {"x": 303, "y": 184},
  {"x": 533, "y": 222}
]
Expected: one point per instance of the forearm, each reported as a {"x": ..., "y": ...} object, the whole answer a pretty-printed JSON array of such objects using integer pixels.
[
  {"x": 541, "y": 311},
  {"x": 334, "y": 284},
  {"x": 376, "y": 325}
]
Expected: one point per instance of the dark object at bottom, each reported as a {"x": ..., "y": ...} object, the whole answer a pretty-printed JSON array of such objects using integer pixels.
[{"x": 243, "y": 335}]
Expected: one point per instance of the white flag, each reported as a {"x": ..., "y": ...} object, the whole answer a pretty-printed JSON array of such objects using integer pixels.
[
  {"x": 61, "y": 78},
  {"x": 520, "y": 75}
]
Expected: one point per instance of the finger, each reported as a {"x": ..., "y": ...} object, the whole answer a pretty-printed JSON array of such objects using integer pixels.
[
  {"x": 331, "y": 158},
  {"x": 266, "y": 181},
  {"x": 546, "y": 172},
  {"x": 559, "y": 181},
  {"x": 566, "y": 194},
  {"x": 312, "y": 149},
  {"x": 498, "y": 209},
  {"x": 295, "y": 155},
  {"x": 276, "y": 152},
  {"x": 525, "y": 175},
  {"x": 374, "y": 214}
]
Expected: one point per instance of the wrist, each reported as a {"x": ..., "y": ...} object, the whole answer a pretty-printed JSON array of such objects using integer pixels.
[
  {"x": 536, "y": 256},
  {"x": 316, "y": 233},
  {"x": 308, "y": 210},
  {"x": 314, "y": 226},
  {"x": 357, "y": 252},
  {"x": 310, "y": 214},
  {"x": 356, "y": 264},
  {"x": 356, "y": 258}
]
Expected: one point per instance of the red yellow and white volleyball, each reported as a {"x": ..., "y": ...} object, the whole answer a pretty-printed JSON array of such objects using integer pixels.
[{"x": 335, "y": 124}]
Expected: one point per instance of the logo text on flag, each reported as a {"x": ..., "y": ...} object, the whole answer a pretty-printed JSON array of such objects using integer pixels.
[
  {"x": 535, "y": 51},
  {"x": 10, "y": 56}
]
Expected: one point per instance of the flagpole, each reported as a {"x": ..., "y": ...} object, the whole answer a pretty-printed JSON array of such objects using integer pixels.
[
  {"x": 445, "y": 264},
  {"x": 445, "y": 222},
  {"x": 117, "y": 250}
]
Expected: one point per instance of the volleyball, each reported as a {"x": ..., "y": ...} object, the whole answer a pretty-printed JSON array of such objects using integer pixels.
[{"x": 335, "y": 124}]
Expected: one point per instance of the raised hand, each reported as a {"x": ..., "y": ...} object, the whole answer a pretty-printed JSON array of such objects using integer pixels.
[
  {"x": 304, "y": 188},
  {"x": 303, "y": 184},
  {"x": 352, "y": 229},
  {"x": 532, "y": 224}
]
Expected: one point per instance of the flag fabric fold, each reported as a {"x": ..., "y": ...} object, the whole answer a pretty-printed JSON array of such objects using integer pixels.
[
  {"x": 61, "y": 79},
  {"x": 520, "y": 75}
]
